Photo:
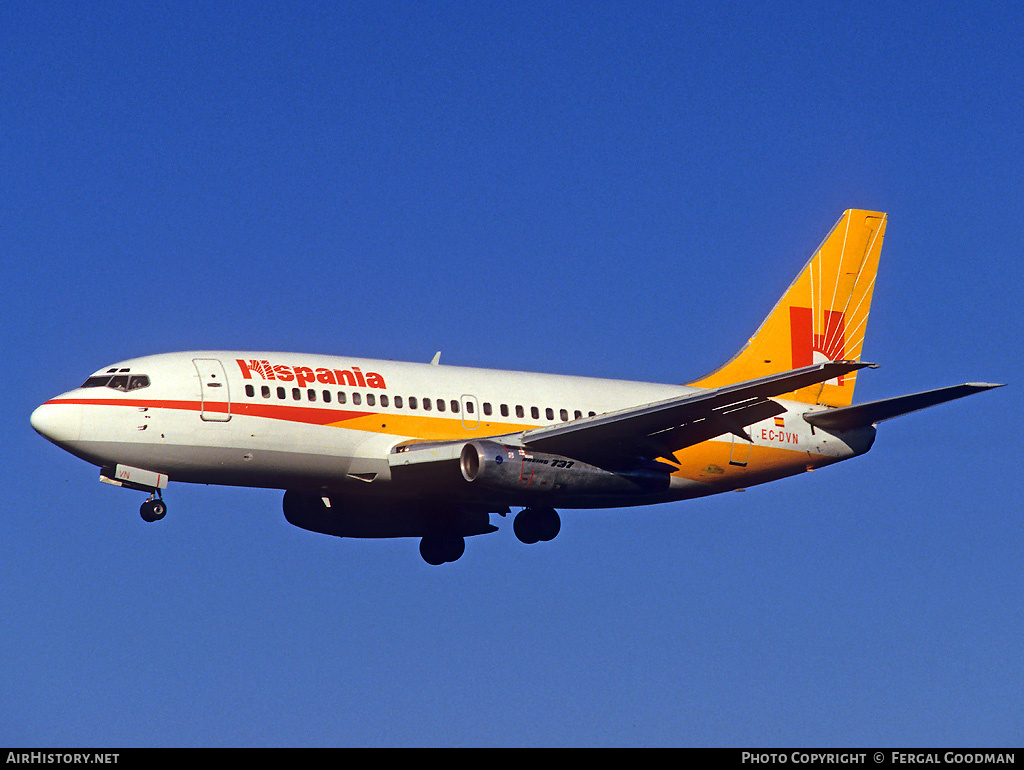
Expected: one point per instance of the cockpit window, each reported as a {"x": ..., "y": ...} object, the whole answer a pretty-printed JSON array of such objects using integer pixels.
[{"x": 122, "y": 382}]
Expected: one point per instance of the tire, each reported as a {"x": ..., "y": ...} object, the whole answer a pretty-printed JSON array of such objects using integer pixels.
[
  {"x": 525, "y": 526},
  {"x": 438, "y": 549},
  {"x": 430, "y": 551},
  {"x": 548, "y": 524},
  {"x": 535, "y": 525},
  {"x": 153, "y": 510}
]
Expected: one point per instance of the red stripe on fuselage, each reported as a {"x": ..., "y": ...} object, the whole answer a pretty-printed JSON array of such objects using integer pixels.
[{"x": 310, "y": 415}]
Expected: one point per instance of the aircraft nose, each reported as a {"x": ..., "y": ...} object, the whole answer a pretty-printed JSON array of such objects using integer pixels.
[{"x": 59, "y": 423}]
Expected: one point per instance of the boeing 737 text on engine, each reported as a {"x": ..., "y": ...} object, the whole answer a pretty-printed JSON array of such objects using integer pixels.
[{"x": 367, "y": 448}]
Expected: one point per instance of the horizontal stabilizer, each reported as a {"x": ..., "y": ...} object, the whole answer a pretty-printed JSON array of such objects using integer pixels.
[{"x": 860, "y": 415}]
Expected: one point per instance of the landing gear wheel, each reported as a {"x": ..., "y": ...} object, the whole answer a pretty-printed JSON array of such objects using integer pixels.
[
  {"x": 523, "y": 526},
  {"x": 438, "y": 549},
  {"x": 533, "y": 525},
  {"x": 548, "y": 525},
  {"x": 153, "y": 509}
]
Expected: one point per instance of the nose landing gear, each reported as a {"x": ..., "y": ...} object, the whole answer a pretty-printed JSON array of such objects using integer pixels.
[{"x": 142, "y": 480}]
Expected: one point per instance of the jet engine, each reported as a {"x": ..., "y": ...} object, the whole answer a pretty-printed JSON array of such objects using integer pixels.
[{"x": 518, "y": 469}]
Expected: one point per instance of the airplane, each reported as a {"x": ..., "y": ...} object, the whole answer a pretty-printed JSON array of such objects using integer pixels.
[{"x": 377, "y": 449}]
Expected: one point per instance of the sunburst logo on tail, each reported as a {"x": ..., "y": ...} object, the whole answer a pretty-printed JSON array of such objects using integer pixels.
[{"x": 811, "y": 347}]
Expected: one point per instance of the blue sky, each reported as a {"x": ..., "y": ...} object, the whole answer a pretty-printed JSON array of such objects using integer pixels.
[{"x": 582, "y": 188}]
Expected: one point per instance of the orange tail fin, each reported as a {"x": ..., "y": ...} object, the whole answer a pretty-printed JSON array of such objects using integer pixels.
[{"x": 821, "y": 317}]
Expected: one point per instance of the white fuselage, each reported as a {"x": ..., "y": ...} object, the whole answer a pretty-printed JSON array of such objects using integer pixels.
[{"x": 282, "y": 420}]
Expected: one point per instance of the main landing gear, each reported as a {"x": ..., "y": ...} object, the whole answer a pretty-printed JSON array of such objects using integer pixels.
[
  {"x": 153, "y": 509},
  {"x": 442, "y": 547},
  {"x": 531, "y": 525},
  {"x": 534, "y": 525}
]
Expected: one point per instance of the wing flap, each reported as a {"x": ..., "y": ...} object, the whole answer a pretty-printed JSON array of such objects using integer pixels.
[{"x": 664, "y": 443}]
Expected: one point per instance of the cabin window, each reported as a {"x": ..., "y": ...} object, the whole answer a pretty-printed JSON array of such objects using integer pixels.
[
  {"x": 487, "y": 408},
  {"x": 371, "y": 400},
  {"x": 250, "y": 391},
  {"x": 577, "y": 414},
  {"x": 265, "y": 391},
  {"x": 563, "y": 415},
  {"x": 440, "y": 404},
  {"x": 412, "y": 402},
  {"x": 519, "y": 411},
  {"x": 357, "y": 399},
  {"x": 455, "y": 406},
  {"x": 327, "y": 396},
  {"x": 341, "y": 397},
  {"x": 504, "y": 410},
  {"x": 280, "y": 392},
  {"x": 534, "y": 412},
  {"x": 398, "y": 402},
  {"x": 311, "y": 394},
  {"x": 549, "y": 413},
  {"x": 426, "y": 404},
  {"x": 383, "y": 400},
  {"x": 296, "y": 394}
]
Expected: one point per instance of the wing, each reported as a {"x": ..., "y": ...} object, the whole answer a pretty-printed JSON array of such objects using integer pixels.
[{"x": 660, "y": 428}]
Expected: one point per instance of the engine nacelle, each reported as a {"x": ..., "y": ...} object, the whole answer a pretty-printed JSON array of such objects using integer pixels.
[{"x": 516, "y": 469}]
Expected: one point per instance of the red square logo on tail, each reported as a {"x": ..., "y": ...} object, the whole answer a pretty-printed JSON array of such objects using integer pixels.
[{"x": 830, "y": 344}]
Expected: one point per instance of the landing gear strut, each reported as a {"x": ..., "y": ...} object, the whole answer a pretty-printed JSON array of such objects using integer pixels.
[
  {"x": 533, "y": 525},
  {"x": 153, "y": 509}
]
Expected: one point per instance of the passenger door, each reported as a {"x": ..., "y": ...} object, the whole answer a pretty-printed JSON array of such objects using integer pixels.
[{"x": 213, "y": 384}]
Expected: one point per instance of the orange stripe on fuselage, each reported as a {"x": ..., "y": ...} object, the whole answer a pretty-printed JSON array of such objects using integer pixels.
[{"x": 712, "y": 461}]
